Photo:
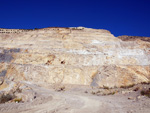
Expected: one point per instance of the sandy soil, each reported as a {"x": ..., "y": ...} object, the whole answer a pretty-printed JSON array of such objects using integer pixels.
[{"x": 80, "y": 99}]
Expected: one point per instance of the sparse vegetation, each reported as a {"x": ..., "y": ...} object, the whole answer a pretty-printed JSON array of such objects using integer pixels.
[
  {"x": 128, "y": 86},
  {"x": 110, "y": 93},
  {"x": 146, "y": 82},
  {"x": 105, "y": 87},
  {"x": 6, "y": 97},
  {"x": 136, "y": 89},
  {"x": 11, "y": 96},
  {"x": 17, "y": 100},
  {"x": 146, "y": 93},
  {"x": 93, "y": 93},
  {"x": 62, "y": 88},
  {"x": 18, "y": 90},
  {"x": 98, "y": 93}
]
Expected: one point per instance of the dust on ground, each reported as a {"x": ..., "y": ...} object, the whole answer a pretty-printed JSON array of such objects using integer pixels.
[{"x": 26, "y": 97}]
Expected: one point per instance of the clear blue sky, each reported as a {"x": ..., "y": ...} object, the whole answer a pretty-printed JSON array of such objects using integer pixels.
[{"x": 121, "y": 17}]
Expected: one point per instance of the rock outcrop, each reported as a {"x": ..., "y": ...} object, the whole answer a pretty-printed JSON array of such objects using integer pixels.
[
  {"x": 133, "y": 38},
  {"x": 74, "y": 56}
]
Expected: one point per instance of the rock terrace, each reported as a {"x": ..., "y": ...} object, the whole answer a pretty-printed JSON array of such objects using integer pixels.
[{"x": 80, "y": 56}]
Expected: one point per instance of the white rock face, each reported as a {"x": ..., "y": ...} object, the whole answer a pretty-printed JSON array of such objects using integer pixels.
[{"x": 74, "y": 56}]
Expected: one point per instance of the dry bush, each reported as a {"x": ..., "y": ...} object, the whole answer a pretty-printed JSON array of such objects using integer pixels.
[
  {"x": 128, "y": 86},
  {"x": 6, "y": 97},
  {"x": 146, "y": 92},
  {"x": 106, "y": 87},
  {"x": 60, "y": 88}
]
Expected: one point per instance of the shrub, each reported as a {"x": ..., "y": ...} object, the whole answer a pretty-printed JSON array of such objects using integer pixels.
[
  {"x": 128, "y": 86},
  {"x": 5, "y": 98},
  {"x": 17, "y": 100},
  {"x": 146, "y": 93},
  {"x": 105, "y": 87}
]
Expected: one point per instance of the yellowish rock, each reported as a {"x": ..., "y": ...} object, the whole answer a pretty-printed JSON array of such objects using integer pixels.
[{"x": 80, "y": 56}]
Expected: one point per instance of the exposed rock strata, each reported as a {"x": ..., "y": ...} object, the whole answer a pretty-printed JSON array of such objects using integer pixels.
[
  {"x": 133, "y": 38},
  {"x": 74, "y": 56}
]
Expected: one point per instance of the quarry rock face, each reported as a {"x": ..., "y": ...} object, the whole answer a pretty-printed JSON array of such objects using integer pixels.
[{"x": 80, "y": 56}]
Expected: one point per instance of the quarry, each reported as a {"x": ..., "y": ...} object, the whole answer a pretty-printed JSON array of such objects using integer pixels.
[{"x": 73, "y": 70}]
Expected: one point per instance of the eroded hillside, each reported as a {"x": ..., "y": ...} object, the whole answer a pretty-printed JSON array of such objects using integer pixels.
[
  {"x": 73, "y": 70},
  {"x": 81, "y": 56}
]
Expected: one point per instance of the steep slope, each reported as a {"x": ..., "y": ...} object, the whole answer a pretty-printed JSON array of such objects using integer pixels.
[{"x": 80, "y": 56}]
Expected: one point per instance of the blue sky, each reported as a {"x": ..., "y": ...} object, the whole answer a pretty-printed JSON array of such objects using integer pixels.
[{"x": 121, "y": 17}]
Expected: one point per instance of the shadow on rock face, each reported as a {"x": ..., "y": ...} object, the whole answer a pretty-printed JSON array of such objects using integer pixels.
[
  {"x": 12, "y": 50},
  {"x": 4, "y": 57},
  {"x": 3, "y": 73},
  {"x": 95, "y": 80}
]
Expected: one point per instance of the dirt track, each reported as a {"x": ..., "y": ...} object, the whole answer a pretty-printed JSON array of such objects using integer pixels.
[{"x": 75, "y": 100}]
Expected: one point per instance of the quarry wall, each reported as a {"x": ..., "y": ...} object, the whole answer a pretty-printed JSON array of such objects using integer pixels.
[{"x": 75, "y": 55}]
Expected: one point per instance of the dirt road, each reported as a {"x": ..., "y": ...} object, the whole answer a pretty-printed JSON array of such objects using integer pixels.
[{"x": 77, "y": 101}]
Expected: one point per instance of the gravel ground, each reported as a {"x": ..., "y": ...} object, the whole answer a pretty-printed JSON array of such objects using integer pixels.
[{"x": 79, "y": 99}]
